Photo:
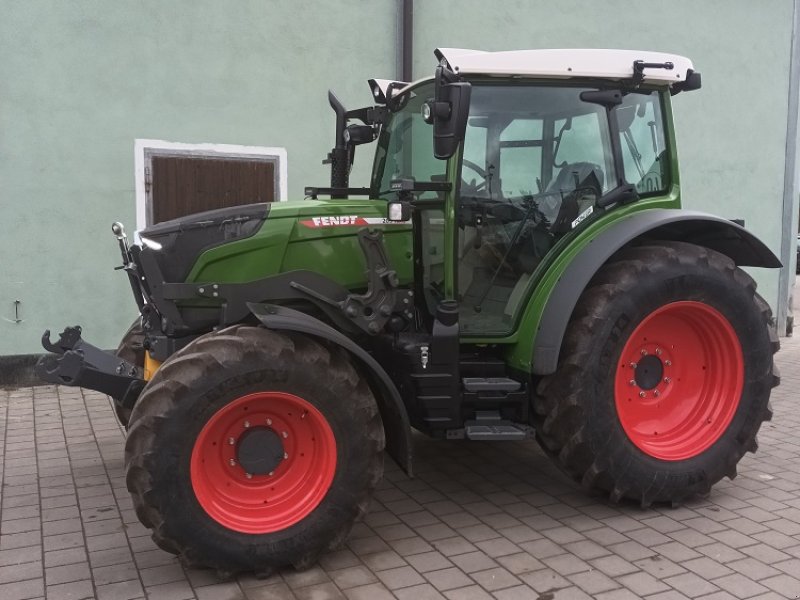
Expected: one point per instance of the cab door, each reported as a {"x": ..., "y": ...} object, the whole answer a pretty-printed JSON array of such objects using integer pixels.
[{"x": 535, "y": 158}]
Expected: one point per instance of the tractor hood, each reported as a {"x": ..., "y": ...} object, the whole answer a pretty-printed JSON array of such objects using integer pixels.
[
  {"x": 177, "y": 243},
  {"x": 248, "y": 243}
]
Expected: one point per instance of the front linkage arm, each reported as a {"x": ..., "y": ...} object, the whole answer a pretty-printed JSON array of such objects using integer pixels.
[{"x": 76, "y": 362}]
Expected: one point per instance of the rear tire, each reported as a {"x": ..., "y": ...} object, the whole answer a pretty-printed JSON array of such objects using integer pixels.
[
  {"x": 664, "y": 375},
  {"x": 189, "y": 483},
  {"x": 130, "y": 349}
]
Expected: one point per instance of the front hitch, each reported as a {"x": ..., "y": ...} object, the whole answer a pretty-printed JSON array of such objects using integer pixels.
[{"x": 76, "y": 362}]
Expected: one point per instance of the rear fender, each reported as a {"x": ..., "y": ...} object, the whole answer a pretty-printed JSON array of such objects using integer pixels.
[
  {"x": 393, "y": 412},
  {"x": 699, "y": 228}
]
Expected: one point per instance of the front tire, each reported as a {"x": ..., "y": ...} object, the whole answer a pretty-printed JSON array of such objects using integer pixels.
[
  {"x": 251, "y": 449},
  {"x": 664, "y": 376}
]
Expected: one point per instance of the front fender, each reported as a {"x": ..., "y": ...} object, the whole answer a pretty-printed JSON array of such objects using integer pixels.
[
  {"x": 703, "y": 229},
  {"x": 393, "y": 412}
]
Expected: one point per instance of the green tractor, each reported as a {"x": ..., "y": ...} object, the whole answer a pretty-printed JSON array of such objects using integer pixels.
[{"x": 519, "y": 266}]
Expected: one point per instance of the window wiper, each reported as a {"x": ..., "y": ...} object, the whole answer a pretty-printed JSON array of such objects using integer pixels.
[{"x": 622, "y": 194}]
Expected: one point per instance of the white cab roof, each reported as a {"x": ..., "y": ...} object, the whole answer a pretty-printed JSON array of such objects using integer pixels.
[{"x": 567, "y": 63}]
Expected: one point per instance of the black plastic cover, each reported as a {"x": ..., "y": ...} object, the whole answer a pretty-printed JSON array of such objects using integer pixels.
[{"x": 185, "y": 238}]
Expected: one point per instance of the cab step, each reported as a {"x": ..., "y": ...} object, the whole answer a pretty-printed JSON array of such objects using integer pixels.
[
  {"x": 488, "y": 426},
  {"x": 490, "y": 384}
]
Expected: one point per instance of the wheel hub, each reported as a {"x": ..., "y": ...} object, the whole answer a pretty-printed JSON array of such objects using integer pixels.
[
  {"x": 679, "y": 380},
  {"x": 263, "y": 462},
  {"x": 259, "y": 451},
  {"x": 649, "y": 371}
]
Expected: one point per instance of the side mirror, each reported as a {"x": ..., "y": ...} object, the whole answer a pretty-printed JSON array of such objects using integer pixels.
[{"x": 448, "y": 112}]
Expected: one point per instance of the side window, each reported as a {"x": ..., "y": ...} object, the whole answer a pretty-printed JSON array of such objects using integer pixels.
[
  {"x": 583, "y": 141},
  {"x": 643, "y": 147}
]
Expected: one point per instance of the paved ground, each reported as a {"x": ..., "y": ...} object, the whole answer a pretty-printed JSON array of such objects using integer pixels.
[{"x": 480, "y": 521}]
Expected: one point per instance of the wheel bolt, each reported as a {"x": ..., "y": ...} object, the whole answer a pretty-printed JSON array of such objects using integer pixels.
[
  {"x": 269, "y": 421},
  {"x": 656, "y": 393},
  {"x": 271, "y": 473},
  {"x": 642, "y": 394},
  {"x": 668, "y": 363},
  {"x": 667, "y": 379},
  {"x": 644, "y": 352},
  {"x": 231, "y": 441},
  {"x": 248, "y": 475},
  {"x": 285, "y": 455},
  {"x": 285, "y": 434},
  {"x": 632, "y": 382},
  {"x": 246, "y": 424},
  {"x": 633, "y": 365},
  {"x": 658, "y": 351},
  {"x": 232, "y": 462}
]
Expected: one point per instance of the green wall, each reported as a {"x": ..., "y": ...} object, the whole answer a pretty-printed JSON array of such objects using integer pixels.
[{"x": 79, "y": 81}]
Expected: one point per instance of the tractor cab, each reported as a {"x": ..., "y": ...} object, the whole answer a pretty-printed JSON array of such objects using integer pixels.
[
  {"x": 500, "y": 161},
  {"x": 537, "y": 156}
]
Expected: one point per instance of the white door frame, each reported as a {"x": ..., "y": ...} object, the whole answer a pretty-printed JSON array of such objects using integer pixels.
[{"x": 145, "y": 149}]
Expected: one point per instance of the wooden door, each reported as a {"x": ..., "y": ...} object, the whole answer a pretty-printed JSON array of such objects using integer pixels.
[{"x": 183, "y": 185}]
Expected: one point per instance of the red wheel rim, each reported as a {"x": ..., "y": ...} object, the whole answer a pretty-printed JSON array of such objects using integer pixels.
[
  {"x": 268, "y": 502},
  {"x": 679, "y": 411}
]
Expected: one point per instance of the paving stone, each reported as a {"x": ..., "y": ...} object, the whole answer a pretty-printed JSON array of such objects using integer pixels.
[
  {"x": 691, "y": 584},
  {"x": 472, "y": 592},
  {"x": 739, "y": 585},
  {"x": 473, "y": 562},
  {"x": 593, "y": 582},
  {"x": 20, "y": 572},
  {"x": 399, "y": 577},
  {"x": 410, "y": 546},
  {"x": 429, "y": 561},
  {"x": 381, "y": 561},
  {"x": 642, "y": 583},
  {"x": 454, "y": 546},
  {"x": 706, "y": 567},
  {"x": 119, "y": 573},
  {"x": 783, "y": 584},
  {"x": 69, "y": 573},
  {"x": 228, "y": 591},
  {"x": 374, "y": 591},
  {"x": 22, "y": 590},
  {"x": 339, "y": 559},
  {"x": 520, "y": 563},
  {"x": 754, "y": 569},
  {"x": 12, "y": 541},
  {"x": 495, "y": 579},
  {"x": 659, "y": 567},
  {"x": 367, "y": 545},
  {"x": 312, "y": 576},
  {"x": 278, "y": 591},
  {"x": 76, "y": 590},
  {"x": 447, "y": 579},
  {"x": 352, "y": 577},
  {"x": 320, "y": 591}
]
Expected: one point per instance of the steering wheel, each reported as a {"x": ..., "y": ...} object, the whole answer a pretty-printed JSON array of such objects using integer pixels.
[{"x": 470, "y": 188}]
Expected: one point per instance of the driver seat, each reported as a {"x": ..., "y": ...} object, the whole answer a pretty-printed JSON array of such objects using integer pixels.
[{"x": 566, "y": 208}]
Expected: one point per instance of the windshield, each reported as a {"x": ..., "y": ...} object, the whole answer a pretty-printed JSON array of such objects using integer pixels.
[{"x": 405, "y": 146}]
